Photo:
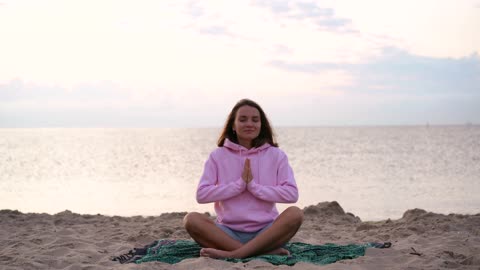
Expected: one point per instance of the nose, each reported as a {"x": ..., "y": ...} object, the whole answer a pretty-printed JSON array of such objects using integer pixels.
[{"x": 250, "y": 123}]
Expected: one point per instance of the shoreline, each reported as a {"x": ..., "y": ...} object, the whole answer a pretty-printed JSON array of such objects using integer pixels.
[{"x": 67, "y": 240}]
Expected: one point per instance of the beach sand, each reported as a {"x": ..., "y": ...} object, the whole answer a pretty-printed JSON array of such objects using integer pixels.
[{"x": 71, "y": 241}]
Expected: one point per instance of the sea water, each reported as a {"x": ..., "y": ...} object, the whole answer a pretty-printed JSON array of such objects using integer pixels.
[{"x": 373, "y": 172}]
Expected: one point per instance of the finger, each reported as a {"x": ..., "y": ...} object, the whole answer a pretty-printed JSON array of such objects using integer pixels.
[
  {"x": 245, "y": 175},
  {"x": 246, "y": 164}
]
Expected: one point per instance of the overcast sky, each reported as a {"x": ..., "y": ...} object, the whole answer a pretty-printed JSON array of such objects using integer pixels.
[{"x": 185, "y": 63}]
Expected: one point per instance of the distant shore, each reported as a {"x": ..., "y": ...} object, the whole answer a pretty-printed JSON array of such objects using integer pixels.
[{"x": 72, "y": 241}]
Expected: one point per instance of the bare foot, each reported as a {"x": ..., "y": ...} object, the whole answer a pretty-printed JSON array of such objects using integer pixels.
[
  {"x": 221, "y": 254},
  {"x": 279, "y": 251},
  {"x": 215, "y": 253}
]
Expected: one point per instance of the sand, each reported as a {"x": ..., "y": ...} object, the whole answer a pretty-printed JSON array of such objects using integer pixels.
[{"x": 71, "y": 241}]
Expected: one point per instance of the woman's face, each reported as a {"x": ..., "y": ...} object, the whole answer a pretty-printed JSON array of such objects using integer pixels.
[{"x": 247, "y": 125}]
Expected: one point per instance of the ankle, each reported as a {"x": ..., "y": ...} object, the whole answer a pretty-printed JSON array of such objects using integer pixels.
[{"x": 237, "y": 255}]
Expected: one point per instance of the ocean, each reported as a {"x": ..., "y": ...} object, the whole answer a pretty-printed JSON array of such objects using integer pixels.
[{"x": 373, "y": 172}]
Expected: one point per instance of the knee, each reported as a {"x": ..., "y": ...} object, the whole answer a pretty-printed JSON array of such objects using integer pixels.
[
  {"x": 295, "y": 214},
  {"x": 191, "y": 220}
]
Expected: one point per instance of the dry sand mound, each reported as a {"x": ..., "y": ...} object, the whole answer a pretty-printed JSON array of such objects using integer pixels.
[{"x": 71, "y": 241}]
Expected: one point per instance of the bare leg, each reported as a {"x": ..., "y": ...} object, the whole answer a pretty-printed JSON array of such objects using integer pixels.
[
  {"x": 207, "y": 234},
  {"x": 282, "y": 230}
]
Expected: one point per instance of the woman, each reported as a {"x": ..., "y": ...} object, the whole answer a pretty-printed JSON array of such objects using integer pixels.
[{"x": 245, "y": 176}]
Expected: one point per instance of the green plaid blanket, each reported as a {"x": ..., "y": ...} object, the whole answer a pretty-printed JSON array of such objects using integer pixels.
[{"x": 173, "y": 251}]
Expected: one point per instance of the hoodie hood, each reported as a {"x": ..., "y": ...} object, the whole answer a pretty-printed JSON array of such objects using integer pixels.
[{"x": 239, "y": 148}]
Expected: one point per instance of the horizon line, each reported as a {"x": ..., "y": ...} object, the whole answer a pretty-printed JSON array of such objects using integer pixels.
[{"x": 273, "y": 126}]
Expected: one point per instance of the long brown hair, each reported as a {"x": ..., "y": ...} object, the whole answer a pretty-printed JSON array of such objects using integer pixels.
[{"x": 266, "y": 134}]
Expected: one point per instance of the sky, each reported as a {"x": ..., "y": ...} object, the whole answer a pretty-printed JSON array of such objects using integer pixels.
[{"x": 186, "y": 63}]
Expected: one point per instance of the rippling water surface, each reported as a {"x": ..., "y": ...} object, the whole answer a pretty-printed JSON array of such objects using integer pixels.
[{"x": 373, "y": 172}]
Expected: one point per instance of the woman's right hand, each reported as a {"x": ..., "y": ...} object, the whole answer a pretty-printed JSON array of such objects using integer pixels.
[{"x": 247, "y": 172}]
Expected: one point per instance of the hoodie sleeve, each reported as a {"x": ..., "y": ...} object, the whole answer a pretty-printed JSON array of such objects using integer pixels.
[
  {"x": 208, "y": 189},
  {"x": 285, "y": 192}
]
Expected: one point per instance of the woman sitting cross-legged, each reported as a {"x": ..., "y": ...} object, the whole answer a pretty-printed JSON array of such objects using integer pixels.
[{"x": 245, "y": 177}]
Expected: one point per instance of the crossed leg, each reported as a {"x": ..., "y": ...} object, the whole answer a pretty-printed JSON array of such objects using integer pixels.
[{"x": 217, "y": 244}]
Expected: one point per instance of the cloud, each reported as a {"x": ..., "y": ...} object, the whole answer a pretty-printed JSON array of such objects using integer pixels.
[
  {"x": 278, "y": 6},
  {"x": 108, "y": 104},
  {"x": 104, "y": 104},
  {"x": 194, "y": 9},
  {"x": 313, "y": 67},
  {"x": 282, "y": 49},
  {"x": 312, "y": 10},
  {"x": 397, "y": 87},
  {"x": 398, "y": 71},
  {"x": 206, "y": 20},
  {"x": 19, "y": 95},
  {"x": 18, "y": 90},
  {"x": 323, "y": 18},
  {"x": 216, "y": 30}
]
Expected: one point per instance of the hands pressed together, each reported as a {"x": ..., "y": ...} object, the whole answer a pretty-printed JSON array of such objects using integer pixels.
[{"x": 247, "y": 172}]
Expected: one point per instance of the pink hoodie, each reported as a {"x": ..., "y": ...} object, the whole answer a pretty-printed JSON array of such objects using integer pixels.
[{"x": 242, "y": 207}]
